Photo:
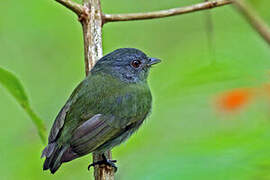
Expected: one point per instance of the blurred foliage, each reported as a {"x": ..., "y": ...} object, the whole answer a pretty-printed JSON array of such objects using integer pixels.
[
  {"x": 187, "y": 136},
  {"x": 16, "y": 89}
]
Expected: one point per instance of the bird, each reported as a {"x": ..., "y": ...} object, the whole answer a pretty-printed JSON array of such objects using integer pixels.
[{"x": 103, "y": 111}]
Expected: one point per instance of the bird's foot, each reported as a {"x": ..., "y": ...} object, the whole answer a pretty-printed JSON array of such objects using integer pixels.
[{"x": 105, "y": 161}]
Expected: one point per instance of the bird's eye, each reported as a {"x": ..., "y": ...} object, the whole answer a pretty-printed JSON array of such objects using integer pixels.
[{"x": 136, "y": 63}]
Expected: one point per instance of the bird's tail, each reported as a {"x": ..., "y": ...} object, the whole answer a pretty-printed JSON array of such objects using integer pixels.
[{"x": 54, "y": 156}]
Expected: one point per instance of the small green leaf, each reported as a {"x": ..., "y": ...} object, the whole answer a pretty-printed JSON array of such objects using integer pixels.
[{"x": 15, "y": 88}]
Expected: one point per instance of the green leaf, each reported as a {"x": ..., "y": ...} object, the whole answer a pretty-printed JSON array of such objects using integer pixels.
[{"x": 15, "y": 88}]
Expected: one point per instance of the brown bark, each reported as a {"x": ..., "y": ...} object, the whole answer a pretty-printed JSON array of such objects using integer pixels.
[
  {"x": 91, "y": 21},
  {"x": 75, "y": 7}
]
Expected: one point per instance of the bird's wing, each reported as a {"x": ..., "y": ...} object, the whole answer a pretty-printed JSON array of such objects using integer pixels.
[
  {"x": 92, "y": 134},
  {"x": 81, "y": 105},
  {"x": 60, "y": 119}
]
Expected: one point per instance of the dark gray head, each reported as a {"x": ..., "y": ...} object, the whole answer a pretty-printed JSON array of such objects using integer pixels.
[{"x": 128, "y": 64}]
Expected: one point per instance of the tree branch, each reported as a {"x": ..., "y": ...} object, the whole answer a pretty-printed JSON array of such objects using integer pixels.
[
  {"x": 252, "y": 17},
  {"x": 92, "y": 33},
  {"x": 75, "y": 7},
  {"x": 91, "y": 21},
  {"x": 165, "y": 13}
]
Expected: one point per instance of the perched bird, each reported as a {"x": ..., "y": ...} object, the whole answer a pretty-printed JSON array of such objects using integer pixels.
[{"x": 106, "y": 108}]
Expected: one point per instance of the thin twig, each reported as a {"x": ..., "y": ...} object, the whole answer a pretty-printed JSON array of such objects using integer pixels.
[
  {"x": 165, "y": 13},
  {"x": 75, "y": 7},
  {"x": 210, "y": 34},
  {"x": 252, "y": 17}
]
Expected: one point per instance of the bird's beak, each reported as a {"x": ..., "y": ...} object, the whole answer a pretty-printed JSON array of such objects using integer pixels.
[{"x": 153, "y": 61}]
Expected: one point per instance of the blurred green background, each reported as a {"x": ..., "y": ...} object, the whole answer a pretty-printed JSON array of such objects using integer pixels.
[{"x": 186, "y": 137}]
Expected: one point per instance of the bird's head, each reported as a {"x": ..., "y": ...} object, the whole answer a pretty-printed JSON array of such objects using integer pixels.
[{"x": 128, "y": 64}]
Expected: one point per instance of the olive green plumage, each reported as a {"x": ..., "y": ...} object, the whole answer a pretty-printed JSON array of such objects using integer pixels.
[{"x": 104, "y": 110}]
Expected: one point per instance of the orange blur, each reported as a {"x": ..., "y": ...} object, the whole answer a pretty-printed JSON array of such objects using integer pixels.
[{"x": 235, "y": 99}]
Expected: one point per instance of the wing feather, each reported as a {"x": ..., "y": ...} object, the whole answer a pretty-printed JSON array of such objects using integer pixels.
[{"x": 92, "y": 134}]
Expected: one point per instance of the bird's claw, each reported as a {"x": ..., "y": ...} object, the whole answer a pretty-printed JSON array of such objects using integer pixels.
[{"x": 105, "y": 161}]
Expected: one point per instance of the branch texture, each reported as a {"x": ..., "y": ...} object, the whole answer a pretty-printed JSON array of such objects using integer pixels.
[
  {"x": 75, "y": 7},
  {"x": 92, "y": 33},
  {"x": 252, "y": 17},
  {"x": 165, "y": 13}
]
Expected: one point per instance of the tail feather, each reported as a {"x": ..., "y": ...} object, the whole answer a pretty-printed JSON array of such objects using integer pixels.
[
  {"x": 53, "y": 153},
  {"x": 48, "y": 150}
]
